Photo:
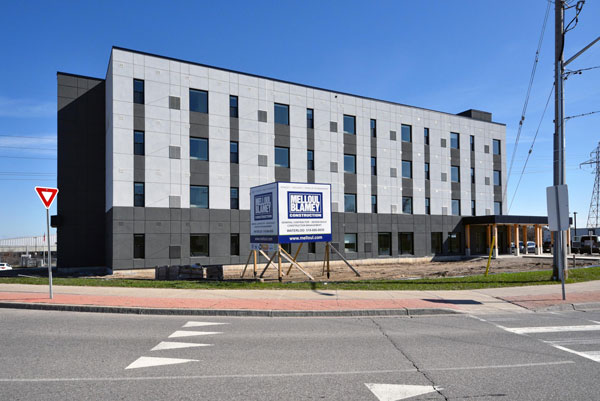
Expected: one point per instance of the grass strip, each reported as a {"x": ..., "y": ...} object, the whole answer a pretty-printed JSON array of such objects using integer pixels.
[{"x": 446, "y": 283}]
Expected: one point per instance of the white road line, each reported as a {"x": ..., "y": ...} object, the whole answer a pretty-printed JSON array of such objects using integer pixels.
[
  {"x": 265, "y": 375},
  {"x": 202, "y": 324},
  {"x": 176, "y": 345},
  {"x": 551, "y": 329},
  {"x": 183, "y": 333},
  {"x": 575, "y": 341},
  {"x": 396, "y": 392},
  {"x": 593, "y": 355},
  {"x": 145, "y": 362}
]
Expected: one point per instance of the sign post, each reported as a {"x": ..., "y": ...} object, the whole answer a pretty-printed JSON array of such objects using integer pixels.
[
  {"x": 557, "y": 198},
  {"x": 47, "y": 196}
]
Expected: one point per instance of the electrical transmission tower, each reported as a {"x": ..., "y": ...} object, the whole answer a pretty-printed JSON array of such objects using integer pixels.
[{"x": 593, "y": 215}]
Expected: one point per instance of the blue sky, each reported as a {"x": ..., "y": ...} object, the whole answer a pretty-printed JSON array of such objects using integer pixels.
[{"x": 448, "y": 56}]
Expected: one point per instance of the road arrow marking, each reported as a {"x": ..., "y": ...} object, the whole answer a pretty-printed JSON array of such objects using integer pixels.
[
  {"x": 200, "y": 324},
  {"x": 396, "y": 392},
  {"x": 145, "y": 361},
  {"x": 183, "y": 333},
  {"x": 175, "y": 345}
]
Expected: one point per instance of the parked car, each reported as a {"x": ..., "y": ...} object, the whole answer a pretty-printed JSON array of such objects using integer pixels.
[
  {"x": 5, "y": 266},
  {"x": 590, "y": 243},
  {"x": 530, "y": 247},
  {"x": 547, "y": 246}
]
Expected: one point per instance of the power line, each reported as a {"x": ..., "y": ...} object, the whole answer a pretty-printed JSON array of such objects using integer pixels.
[
  {"x": 582, "y": 115},
  {"x": 25, "y": 157},
  {"x": 532, "y": 76},
  {"x": 531, "y": 147},
  {"x": 28, "y": 137}
]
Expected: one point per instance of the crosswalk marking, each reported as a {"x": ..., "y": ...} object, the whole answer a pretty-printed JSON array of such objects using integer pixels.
[
  {"x": 190, "y": 333},
  {"x": 593, "y": 355},
  {"x": 551, "y": 329},
  {"x": 176, "y": 345},
  {"x": 202, "y": 324}
]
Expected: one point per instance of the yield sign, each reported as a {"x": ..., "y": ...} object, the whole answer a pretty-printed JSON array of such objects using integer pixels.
[{"x": 47, "y": 195}]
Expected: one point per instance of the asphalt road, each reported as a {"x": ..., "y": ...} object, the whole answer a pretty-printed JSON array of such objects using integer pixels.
[{"x": 75, "y": 356}]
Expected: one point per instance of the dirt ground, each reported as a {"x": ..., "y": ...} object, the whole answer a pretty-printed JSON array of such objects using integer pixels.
[{"x": 340, "y": 272}]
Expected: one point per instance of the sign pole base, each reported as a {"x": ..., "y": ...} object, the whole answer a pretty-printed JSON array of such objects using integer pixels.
[{"x": 49, "y": 254}]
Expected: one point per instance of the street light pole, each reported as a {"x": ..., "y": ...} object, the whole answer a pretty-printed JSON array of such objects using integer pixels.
[{"x": 575, "y": 218}]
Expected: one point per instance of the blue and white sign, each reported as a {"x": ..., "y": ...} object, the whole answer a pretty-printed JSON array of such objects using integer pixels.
[{"x": 285, "y": 212}]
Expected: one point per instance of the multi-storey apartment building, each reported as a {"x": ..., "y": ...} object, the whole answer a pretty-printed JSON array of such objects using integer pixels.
[{"x": 155, "y": 163}]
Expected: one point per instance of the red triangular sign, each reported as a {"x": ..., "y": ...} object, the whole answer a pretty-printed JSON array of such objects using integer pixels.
[{"x": 46, "y": 195}]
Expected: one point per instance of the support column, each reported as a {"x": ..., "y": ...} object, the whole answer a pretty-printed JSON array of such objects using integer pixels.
[
  {"x": 524, "y": 239},
  {"x": 488, "y": 238},
  {"x": 569, "y": 241},
  {"x": 509, "y": 232},
  {"x": 538, "y": 245},
  {"x": 517, "y": 250},
  {"x": 552, "y": 242},
  {"x": 467, "y": 240},
  {"x": 495, "y": 251}
]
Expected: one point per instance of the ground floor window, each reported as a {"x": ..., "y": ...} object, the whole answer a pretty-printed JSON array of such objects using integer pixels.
[
  {"x": 454, "y": 243},
  {"x": 199, "y": 245},
  {"x": 350, "y": 243},
  {"x": 436, "y": 243},
  {"x": 405, "y": 244},
  {"x": 312, "y": 247},
  {"x": 234, "y": 245},
  {"x": 287, "y": 247},
  {"x": 384, "y": 244},
  {"x": 139, "y": 246}
]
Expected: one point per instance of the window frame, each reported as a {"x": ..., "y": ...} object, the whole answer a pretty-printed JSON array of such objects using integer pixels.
[
  {"x": 402, "y": 132},
  {"x": 136, "y": 246},
  {"x": 276, "y": 114},
  {"x": 472, "y": 175},
  {"x": 232, "y": 113},
  {"x": 199, "y": 91},
  {"x": 428, "y": 206},
  {"x": 199, "y": 140},
  {"x": 426, "y": 135},
  {"x": 350, "y": 118},
  {"x": 353, "y": 197},
  {"x": 236, "y": 153},
  {"x": 310, "y": 159},
  {"x": 406, "y": 236},
  {"x": 355, "y": 243},
  {"x": 497, "y": 174},
  {"x": 348, "y": 156},
  {"x": 437, "y": 241},
  {"x": 499, "y": 204},
  {"x": 494, "y": 142},
  {"x": 234, "y": 201},
  {"x": 407, "y": 200},
  {"x": 457, "y": 203},
  {"x": 288, "y": 156},
  {"x": 199, "y": 254},
  {"x": 373, "y": 127},
  {"x": 136, "y": 196},
  {"x": 455, "y": 140},
  {"x": 452, "y": 170},
  {"x": 427, "y": 172},
  {"x": 409, "y": 164},
  {"x": 234, "y": 248},
  {"x": 136, "y": 143},
  {"x": 373, "y": 165},
  {"x": 473, "y": 208},
  {"x": 373, "y": 204},
  {"x": 199, "y": 206},
  {"x": 141, "y": 93},
  {"x": 472, "y": 143},
  {"x": 310, "y": 122},
  {"x": 388, "y": 237}
]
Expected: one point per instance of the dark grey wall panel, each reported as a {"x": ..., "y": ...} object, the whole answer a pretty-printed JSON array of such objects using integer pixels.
[
  {"x": 81, "y": 172},
  {"x": 282, "y": 174}
]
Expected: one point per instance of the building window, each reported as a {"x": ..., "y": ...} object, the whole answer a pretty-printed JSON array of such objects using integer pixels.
[
  {"x": 456, "y": 207},
  {"x": 138, "y": 143},
  {"x": 454, "y": 140},
  {"x": 310, "y": 159},
  {"x": 472, "y": 175},
  {"x": 426, "y": 171},
  {"x": 287, "y": 247},
  {"x": 310, "y": 118},
  {"x": 198, "y": 101},
  {"x": 234, "y": 198},
  {"x": 407, "y": 205},
  {"x": 472, "y": 142},
  {"x": 373, "y": 128},
  {"x": 350, "y": 203},
  {"x": 497, "y": 178},
  {"x": 496, "y": 146},
  {"x": 138, "y": 91},
  {"x": 198, "y": 245},
  {"x": 282, "y": 114},
  {"x": 199, "y": 196},
  {"x": 454, "y": 243},
  {"x": 350, "y": 164},
  {"x": 426, "y": 136},
  {"x": 138, "y": 194},
  {"x": 139, "y": 246},
  {"x": 234, "y": 245},
  {"x": 373, "y": 166},
  {"x": 406, "y": 133},
  {"x": 350, "y": 243},
  {"x": 406, "y": 169},
  {"x": 282, "y": 157},
  {"x": 497, "y": 208},
  {"x": 384, "y": 244},
  {"x": 312, "y": 248},
  {"x": 436, "y": 243},
  {"x": 349, "y": 125},
  {"x": 455, "y": 173},
  {"x": 199, "y": 148},
  {"x": 233, "y": 152},
  {"x": 373, "y": 203},
  {"x": 473, "y": 211},
  {"x": 405, "y": 244},
  {"x": 427, "y": 206},
  {"x": 233, "y": 106}
]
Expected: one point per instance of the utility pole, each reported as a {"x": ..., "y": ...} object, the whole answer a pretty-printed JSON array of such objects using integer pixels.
[{"x": 560, "y": 244}]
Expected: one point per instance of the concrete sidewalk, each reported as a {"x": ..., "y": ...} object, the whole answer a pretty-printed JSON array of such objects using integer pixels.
[{"x": 298, "y": 302}]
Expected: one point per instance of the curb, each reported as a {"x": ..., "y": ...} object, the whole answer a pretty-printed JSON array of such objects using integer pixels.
[
  {"x": 230, "y": 312},
  {"x": 588, "y": 306}
]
